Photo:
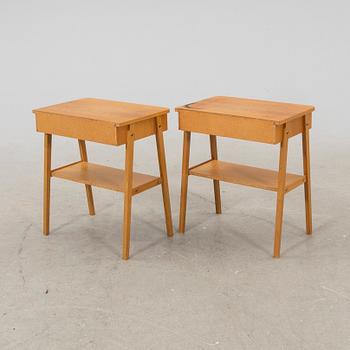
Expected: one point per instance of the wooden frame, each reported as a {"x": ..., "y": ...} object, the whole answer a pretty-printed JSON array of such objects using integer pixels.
[{"x": 261, "y": 121}]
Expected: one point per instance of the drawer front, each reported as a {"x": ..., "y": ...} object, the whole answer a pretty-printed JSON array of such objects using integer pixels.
[
  {"x": 78, "y": 128},
  {"x": 229, "y": 126},
  {"x": 95, "y": 130}
]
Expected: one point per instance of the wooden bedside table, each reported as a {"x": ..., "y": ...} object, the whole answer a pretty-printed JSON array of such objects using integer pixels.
[
  {"x": 254, "y": 120},
  {"x": 112, "y": 123}
]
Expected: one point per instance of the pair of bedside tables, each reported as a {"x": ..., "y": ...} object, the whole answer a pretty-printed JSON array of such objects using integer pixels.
[{"x": 120, "y": 123}]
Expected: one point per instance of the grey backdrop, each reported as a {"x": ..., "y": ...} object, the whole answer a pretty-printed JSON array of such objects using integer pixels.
[{"x": 171, "y": 53}]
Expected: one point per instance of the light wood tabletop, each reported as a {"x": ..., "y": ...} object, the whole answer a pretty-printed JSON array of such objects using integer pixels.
[
  {"x": 116, "y": 112},
  {"x": 246, "y": 119},
  {"x": 102, "y": 121},
  {"x": 276, "y": 112}
]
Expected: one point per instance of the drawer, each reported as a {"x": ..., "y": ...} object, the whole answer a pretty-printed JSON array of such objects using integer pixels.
[
  {"x": 238, "y": 127},
  {"x": 94, "y": 130}
]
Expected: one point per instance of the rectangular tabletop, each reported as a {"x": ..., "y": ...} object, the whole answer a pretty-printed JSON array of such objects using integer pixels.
[
  {"x": 276, "y": 112},
  {"x": 99, "y": 120},
  {"x": 247, "y": 119}
]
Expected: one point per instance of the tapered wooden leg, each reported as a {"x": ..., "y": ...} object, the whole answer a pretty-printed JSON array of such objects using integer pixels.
[
  {"x": 128, "y": 177},
  {"x": 184, "y": 181},
  {"x": 214, "y": 155},
  {"x": 164, "y": 177},
  {"x": 47, "y": 183},
  {"x": 88, "y": 188},
  {"x": 280, "y": 192},
  {"x": 307, "y": 184}
]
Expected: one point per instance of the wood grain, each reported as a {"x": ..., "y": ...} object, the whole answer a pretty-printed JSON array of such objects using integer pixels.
[
  {"x": 101, "y": 131},
  {"x": 77, "y": 128},
  {"x": 276, "y": 112},
  {"x": 116, "y": 112}
]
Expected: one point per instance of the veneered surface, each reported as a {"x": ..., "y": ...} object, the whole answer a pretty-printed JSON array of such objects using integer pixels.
[
  {"x": 118, "y": 113},
  {"x": 276, "y": 112}
]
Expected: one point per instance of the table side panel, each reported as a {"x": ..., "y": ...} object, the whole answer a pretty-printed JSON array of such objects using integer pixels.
[
  {"x": 295, "y": 126},
  {"x": 229, "y": 126},
  {"x": 142, "y": 129},
  {"x": 78, "y": 128}
]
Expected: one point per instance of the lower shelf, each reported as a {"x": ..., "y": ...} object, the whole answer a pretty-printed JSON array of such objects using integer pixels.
[
  {"x": 104, "y": 176},
  {"x": 245, "y": 175}
]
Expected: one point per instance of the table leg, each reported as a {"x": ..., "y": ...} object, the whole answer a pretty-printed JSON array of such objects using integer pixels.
[
  {"x": 214, "y": 155},
  {"x": 47, "y": 183},
  {"x": 281, "y": 192},
  {"x": 307, "y": 184},
  {"x": 88, "y": 188},
  {"x": 184, "y": 181},
  {"x": 128, "y": 178},
  {"x": 164, "y": 177}
]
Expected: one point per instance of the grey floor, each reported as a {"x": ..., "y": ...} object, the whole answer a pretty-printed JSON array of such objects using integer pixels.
[{"x": 216, "y": 287}]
